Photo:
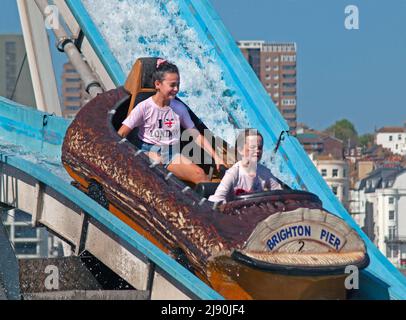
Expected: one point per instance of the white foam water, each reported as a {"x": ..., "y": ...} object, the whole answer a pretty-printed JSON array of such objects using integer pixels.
[
  {"x": 52, "y": 164},
  {"x": 144, "y": 28}
]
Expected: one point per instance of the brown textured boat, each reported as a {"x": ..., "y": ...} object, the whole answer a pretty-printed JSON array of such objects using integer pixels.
[{"x": 273, "y": 245}]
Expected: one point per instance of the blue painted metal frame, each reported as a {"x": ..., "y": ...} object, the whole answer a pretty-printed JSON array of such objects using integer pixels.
[
  {"x": 27, "y": 122},
  {"x": 200, "y": 15},
  {"x": 24, "y": 126}
]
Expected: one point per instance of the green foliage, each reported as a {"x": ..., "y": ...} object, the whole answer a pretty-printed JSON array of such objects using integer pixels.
[
  {"x": 366, "y": 140},
  {"x": 345, "y": 131}
]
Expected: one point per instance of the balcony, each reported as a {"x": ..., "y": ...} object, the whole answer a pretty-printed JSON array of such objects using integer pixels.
[{"x": 398, "y": 239}]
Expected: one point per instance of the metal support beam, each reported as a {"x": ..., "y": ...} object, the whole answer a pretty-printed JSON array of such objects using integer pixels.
[
  {"x": 66, "y": 44},
  {"x": 81, "y": 241},
  {"x": 39, "y": 57},
  {"x": 85, "y": 48},
  {"x": 39, "y": 197}
]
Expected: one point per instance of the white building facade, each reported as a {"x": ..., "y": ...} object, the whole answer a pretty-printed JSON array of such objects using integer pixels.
[
  {"x": 393, "y": 139},
  {"x": 336, "y": 175},
  {"x": 379, "y": 207}
]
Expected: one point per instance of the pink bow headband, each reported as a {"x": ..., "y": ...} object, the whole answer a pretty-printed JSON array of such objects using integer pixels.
[{"x": 160, "y": 62}]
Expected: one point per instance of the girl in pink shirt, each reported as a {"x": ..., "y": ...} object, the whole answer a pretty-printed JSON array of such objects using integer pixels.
[
  {"x": 247, "y": 175},
  {"x": 159, "y": 120}
]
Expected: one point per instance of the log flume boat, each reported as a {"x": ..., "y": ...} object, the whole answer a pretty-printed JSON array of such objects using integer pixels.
[{"x": 271, "y": 245}]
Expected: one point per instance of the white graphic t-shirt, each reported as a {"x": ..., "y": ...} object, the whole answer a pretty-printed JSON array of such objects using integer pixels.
[
  {"x": 237, "y": 179},
  {"x": 159, "y": 125}
]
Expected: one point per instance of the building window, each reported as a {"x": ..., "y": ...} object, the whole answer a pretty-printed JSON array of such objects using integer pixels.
[
  {"x": 72, "y": 108},
  {"x": 289, "y": 67},
  {"x": 73, "y": 99},
  {"x": 344, "y": 173},
  {"x": 20, "y": 216},
  {"x": 390, "y": 138},
  {"x": 391, "y": 215},
  {"x": 25, "y": 248},
  {"x": 334, "y": 189},
  {"x": 72, "y": 89},
  {"x": 400, "y": 137},
  {"x": 23, "y": 232},
  {"x": 392, "y": 233},
  {"x": 324, "y": 172},
  {"x": 72, "y": 79},
  {"x": 391, "y": 200},
  {"x": 335, "y": 172},
  {"x": 289, "y": 102},
  {"x": 289, "y": 85}
]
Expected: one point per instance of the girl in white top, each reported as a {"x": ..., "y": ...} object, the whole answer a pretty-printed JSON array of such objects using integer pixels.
[
  {"x": 247, "y": 175},
  {"x": 160, "y": 119}
]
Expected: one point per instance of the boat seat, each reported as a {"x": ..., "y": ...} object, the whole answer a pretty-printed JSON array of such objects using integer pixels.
[
  {"x": 206, "y": 189},
  {"x": 139, "y": 82}
]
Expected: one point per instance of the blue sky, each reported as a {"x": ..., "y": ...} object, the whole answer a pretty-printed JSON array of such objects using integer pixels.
[{"x": 353, "y": 74}]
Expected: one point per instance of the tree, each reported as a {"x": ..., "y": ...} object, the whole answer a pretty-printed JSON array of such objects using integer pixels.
[
  {"x": 345, "y": 131},
  {"x": 366, "y": 140}
]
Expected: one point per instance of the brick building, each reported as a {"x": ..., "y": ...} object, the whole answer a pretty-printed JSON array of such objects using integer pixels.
[{"x": 275, "y": 66}]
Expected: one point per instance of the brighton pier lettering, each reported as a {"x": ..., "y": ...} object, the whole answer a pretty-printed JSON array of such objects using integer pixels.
[
  {"x": 287, "y": 233},
  {"x": 302, "y": 231}
]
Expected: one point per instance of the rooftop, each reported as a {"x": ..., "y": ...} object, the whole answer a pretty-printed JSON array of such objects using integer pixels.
[
  {"x": 380, "y": 179},
  {"x": 392, "y": 130}
]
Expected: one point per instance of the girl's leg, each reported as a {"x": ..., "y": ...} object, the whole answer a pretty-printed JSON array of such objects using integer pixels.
[
  {"x": 186, "y": 170},
  {"x": 154, "y": 157}
]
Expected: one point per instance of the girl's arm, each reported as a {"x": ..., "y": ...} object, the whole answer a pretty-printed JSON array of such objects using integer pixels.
[
  {"x": 206, "y": 145},
  {"x": 124, "y": 131},
  {"x": 135, "y": 119},
  {"x": 225, "y": 188}
]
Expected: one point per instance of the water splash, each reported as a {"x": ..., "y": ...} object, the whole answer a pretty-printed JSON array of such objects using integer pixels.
[
  {"x": 143, "y": 28},
  {"x": 51, "y": 164}
]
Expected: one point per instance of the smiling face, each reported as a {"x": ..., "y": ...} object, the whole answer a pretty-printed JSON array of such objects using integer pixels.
[
  {"x": 168, "y": 88},
  {"x": 253, "y": 148}
]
